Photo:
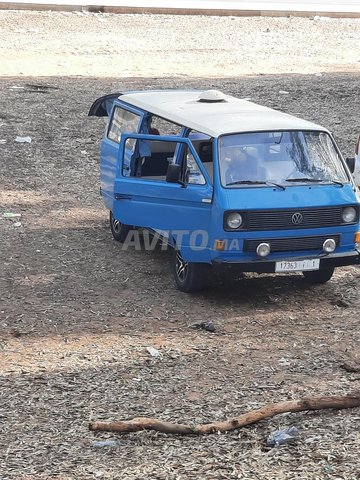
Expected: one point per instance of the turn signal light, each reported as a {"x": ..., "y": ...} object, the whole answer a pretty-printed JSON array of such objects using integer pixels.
[
  {"x": 220, "y": 245},
  {"x": 357, "y": 237}
]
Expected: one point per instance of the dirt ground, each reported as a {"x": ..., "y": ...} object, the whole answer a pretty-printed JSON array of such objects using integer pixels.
[{"x": 77, "y": 312}]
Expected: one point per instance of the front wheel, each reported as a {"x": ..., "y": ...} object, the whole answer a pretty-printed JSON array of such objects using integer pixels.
[
  {"x": 319, "y": 276},
  {"x": 118, "y": 229},
  {"x": 189, "y": 276}
]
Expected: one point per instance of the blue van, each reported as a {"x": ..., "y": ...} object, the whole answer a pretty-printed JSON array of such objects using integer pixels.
[{"x": 227, "y": 182}]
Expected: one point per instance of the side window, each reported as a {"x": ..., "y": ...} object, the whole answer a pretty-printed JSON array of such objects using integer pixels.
[
  {"x": 150, "y": 159},
  {"x": 123, "y": 121},
  {"x": 193, "y": 171},
  {"x": 203, "y": 145},
  {"x": 164, "y": 127}
]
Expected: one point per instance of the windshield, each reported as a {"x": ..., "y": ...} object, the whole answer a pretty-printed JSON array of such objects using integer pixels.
[{"x": 280, "y": 158}]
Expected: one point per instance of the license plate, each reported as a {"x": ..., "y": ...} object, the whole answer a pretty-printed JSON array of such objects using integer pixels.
[{"x": 298, "y": 266}]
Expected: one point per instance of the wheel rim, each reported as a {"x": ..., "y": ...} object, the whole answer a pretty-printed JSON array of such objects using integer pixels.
[
  {"x": 116, "y": 225},
  {"x": 181, "y": 267}
]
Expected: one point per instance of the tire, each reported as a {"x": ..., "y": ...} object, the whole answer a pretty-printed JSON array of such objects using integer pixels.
[
  {"x": 119, "y": 230},
  {"x": 319, "y": 276},
  {"x": 189, "y": 276}
]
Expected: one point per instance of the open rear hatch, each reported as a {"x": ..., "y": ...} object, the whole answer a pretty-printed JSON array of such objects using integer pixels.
[{"x": 103, "y": 105}]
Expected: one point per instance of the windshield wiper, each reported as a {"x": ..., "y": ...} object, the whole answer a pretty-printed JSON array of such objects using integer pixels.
[
  {"x": 276, "y": 185},
  {"x": 255, "y": 182},
  {"x": 304, "y": 179},
  {"x": 314, "y": 180},
  {"x": 337, "y": 182},
  {"x": 246, "y": 182}
]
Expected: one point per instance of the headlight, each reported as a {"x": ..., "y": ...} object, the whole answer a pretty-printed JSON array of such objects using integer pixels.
[
  {"x": 234, "y": 220},
  {"x": 329, "y": 245},
  {"x": 263, "y": 249},
  {"x": 348, "y": 215}
]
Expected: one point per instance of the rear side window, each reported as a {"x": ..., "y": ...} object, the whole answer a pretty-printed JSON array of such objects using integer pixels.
[{"x": 123, "y": 121}]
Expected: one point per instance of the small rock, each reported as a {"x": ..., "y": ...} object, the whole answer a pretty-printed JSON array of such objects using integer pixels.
[
  {"x": 153, "y": 351},
  {"x": 15, "y": 333},
  {"x": 342, "y": 303},
  {"x": 312, "y": 439},
  {"x": 281, "y": 437},
  {"x": 284, "y": 361},
  {"x": 207, "y": 326}
]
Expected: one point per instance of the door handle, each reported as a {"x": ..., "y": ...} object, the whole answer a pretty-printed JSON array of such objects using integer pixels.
[{"x": 122, "y": 196}]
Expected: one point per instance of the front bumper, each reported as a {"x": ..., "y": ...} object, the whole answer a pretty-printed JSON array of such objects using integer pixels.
[{"x": 268, "y": 266}]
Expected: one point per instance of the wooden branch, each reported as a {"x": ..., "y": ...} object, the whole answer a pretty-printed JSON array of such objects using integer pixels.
[{"x": 311, "y": 403}]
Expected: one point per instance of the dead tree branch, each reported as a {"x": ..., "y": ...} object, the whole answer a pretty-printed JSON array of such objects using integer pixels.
[{"x": 311, "y": 403}]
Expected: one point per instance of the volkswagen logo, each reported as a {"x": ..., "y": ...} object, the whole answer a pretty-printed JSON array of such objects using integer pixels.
[{"x": 297, "y": 218}]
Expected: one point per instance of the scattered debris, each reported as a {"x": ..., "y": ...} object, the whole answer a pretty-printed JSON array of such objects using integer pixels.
[
  {"x": 2, "y": 142},
  {"x": 106, "y": 443},
  {"x": 284, "y": 362},
  {"x": 23, "y": 139},
  {"x": 284, "y": 92},
  {"x": 153, "y": 351},
  {"x": 313, "y": 439},
  {"x": 207, "y": 326},
  {"x": 11, "y": 215},
  {"x": 281, "y": 437},
  {"x": 319, "y": 18},
  {"x": 40, "y": 88},
  {"x": 17, "y": 224}
]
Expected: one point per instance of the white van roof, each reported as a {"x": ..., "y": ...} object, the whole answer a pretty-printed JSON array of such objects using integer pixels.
[{"x": 217, "y": 114}]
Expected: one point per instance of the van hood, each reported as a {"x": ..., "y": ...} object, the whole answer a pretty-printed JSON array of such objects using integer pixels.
[{"x": 273, "y": 198}]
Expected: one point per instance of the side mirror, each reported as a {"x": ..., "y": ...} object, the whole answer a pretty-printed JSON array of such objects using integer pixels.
[
  {"x": 173, "y": 173},
  {"x": 350, "y": 162}
]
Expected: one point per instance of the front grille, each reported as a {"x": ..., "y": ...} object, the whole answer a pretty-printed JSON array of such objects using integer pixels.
[
  {"x": 283, "y": 219},
  {"x": 290, "y": 244}
]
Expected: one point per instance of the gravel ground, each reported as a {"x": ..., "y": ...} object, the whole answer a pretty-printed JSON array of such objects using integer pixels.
[
  {"x": 105, "y": 45},
  {"x": 77, "y": 312}
]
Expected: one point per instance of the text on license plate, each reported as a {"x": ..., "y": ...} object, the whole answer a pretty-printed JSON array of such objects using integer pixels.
[{"x": 298, "y": 266}]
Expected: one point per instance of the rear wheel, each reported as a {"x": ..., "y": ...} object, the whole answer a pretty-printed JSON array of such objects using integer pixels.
[
  {"x": 319, "y": 276},
  {"x": 118, "y": 229},
  {"x": 189, "y": 276}
]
